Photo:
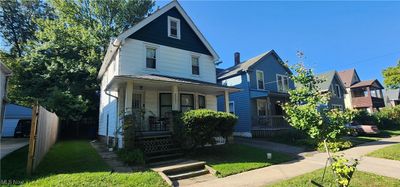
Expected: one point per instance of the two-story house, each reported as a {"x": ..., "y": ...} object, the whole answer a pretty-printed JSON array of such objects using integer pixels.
[
  {"x": 392, "y": 97},
  {"x": 331, "y": 82},
  {"x": 160, "y": 65},
  {"x": 361, "y": 95},
  {"x": 264, "y": 83}
]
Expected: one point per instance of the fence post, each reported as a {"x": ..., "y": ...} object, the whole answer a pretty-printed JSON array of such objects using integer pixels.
[{"x": 32, "y": 138}]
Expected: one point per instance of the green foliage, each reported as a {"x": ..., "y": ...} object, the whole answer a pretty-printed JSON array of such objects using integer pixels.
[
  {"x": 335, "y": 146},
  {"x": 343, "y": 170},
  {"x": 388, "y": 118},
  {"x": 201, "y": 126},
  {"x": 128, "y": 130},
  {"x": 363, "y": 117},
  {"x": 391, "y": 76},
  {"x": 131, "y": 157},
  {"x": 305, "y": 112}
]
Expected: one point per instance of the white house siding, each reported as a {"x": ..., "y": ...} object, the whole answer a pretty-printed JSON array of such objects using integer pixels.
[
  {"x": 170, "y": 61},
  {"x": 108, "y": 104},
  {"x": 211, "y": 102}
]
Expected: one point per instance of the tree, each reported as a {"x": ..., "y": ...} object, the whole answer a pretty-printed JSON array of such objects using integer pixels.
[
  {"x": 62, "y": 62},
  {"x": 17, "y": 24},
  {"x": 391, "y": 76},
  {"x": 305, "y": 110}
]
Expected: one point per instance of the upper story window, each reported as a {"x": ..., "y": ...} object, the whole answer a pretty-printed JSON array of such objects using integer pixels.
[
  {"x": 174, "y": 28},
  {"x": 282, "y": 82},
  {"x": 195, "y": 66},
  {"x": 338, "y": 92},
  {"x": 151, "y": 58},
  {"x": 260, "y": 80}
]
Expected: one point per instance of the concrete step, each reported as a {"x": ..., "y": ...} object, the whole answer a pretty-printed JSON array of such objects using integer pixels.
[
  {"x": 189, "y": 174},
  {"x": 163, "y": 157},
  {"x": 184, "y": 167}
]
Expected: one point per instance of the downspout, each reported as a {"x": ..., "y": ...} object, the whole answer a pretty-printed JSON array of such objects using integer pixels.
[{"x": 116, "y": 124}]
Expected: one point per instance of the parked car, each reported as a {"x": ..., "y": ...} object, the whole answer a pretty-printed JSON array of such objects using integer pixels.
[
  {"x": 23, "y": 129},
  {"x": 362, "y": 128}
]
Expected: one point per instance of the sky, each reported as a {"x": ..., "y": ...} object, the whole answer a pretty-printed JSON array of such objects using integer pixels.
[{"x": 332, "y": 35}]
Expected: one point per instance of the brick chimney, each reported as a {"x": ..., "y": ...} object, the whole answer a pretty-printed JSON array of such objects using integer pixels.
[{"x": 237, "y": 58}]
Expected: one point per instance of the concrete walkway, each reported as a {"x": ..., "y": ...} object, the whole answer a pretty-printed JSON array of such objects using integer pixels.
[
  {"x": 110, "y": 158},
  {"x": 9, "y": 145},
  {"x": 275, "y": 173},
  {"x": 263, "y": 144}
]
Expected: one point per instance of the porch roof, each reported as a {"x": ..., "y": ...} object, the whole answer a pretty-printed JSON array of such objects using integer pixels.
[{"x": 162, "y": 81}]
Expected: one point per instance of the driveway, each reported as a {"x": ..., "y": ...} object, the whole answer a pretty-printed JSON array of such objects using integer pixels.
[{"x": 9, "y": 145}]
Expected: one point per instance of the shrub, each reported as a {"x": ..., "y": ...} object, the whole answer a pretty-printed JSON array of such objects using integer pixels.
[
  {"x": 131, "y": 157},
  {"x": 343, "y": 169},
  {"x": 201, "y": 126},
  {"x": 388, "y": 118},
  {"x": 363, "y": 117},
  {"x": 334, "y": 146}
]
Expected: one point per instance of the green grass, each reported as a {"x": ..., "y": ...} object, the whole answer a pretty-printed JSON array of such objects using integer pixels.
[
  {"x": 360, "y": 179},
  {"x": 234, "y": 158},
  {"x": 391, "y": 152},
  {"x": 72, "y": 163}
]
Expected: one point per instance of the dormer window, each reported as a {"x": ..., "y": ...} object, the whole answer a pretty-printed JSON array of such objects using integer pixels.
[{"x": 174, "y": 28}]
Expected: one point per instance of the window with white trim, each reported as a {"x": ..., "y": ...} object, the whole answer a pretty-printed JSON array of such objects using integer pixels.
[
  {"x": 340, "y": 107},
  {"x": 195, "y": 65},
  {"x": 338, "y": 92},
  {"x": 151, "y": 58},
  {"x": 282, "y": 83},
  {"x": 232, "y": 107},
  {"x": 174, "y": 28},
  {"x": 261, "y": 107},
  {"x": 202, "y": 101},
  {"x": 260, "y": 80}
]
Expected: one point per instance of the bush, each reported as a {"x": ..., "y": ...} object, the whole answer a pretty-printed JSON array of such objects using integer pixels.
[
  {"x": 201, "y": 126},
  {"x": 131, "y": 157},
  {"x": 363, "y": 117},
  {"x": 388, "y": 118},
  {"x": 334, "y": 146}
]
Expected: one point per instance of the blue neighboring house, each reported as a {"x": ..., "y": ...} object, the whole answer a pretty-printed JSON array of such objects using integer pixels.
[
  {"x": 264, "y": 83},
  {"x": 13, "y": 115}
]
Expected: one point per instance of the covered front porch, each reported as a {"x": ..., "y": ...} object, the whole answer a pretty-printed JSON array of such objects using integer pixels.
[
  {"x": 152, "y": 99},
  {"x": 268, "y": 113}
]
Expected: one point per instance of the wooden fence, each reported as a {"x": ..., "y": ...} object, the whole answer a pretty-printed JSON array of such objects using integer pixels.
[{"x": 44, "y": 130}]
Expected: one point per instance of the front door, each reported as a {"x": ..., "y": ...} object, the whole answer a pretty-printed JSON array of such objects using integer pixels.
[{"x": 138, "y": 109}]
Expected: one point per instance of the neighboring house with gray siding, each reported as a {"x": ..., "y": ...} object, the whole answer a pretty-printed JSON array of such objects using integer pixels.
[
  {"x": 4, "y": 74},
  {"x": 392, "y": 97},
  {"x": 332, "y": 83},
  {"x": 264, "y": 83}
]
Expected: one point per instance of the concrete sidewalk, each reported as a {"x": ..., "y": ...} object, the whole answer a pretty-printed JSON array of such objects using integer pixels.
[
  {"x": 263, "y": 144},
  {"x": 9, "y": 145},
  {"x": 275, "y": 173}
]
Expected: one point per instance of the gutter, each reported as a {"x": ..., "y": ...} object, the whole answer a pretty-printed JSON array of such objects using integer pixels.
[{"x": 116, "y": 124}]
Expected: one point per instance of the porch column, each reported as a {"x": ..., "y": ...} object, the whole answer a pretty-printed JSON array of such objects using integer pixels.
[
  {"x": 369, "y": 91},
  {"x": 226, "y": 97},
  {"x": 380, "y": 94},
  {"x": 175, "y": 98},
  {"x": 128, "y": 97}
]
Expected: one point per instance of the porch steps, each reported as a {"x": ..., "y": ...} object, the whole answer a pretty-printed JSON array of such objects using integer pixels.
[
  {"x": 183, "y": 170},
  {"x": 159, "y": 147}
]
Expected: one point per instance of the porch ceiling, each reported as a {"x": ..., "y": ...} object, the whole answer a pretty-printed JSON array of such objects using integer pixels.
[{"x": 164, "y": 83}]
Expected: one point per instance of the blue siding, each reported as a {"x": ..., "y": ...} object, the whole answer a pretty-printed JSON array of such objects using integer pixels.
[
  {"x": 271, "y": 67},
  {"x": 157, "y": 32},
  {"x": 242, "y": 105}
]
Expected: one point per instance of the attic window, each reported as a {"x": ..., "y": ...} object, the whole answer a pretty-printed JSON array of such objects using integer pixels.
[{"x": 174, "y": 28}]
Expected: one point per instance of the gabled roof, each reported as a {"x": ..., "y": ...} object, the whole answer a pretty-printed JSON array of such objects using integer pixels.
[
  {"x": 244, "y": 66},
  {"x": 374, "y": 83},
  {"x": 114, "y": 45},
  {"x": 5, "y": 69},
  {"x": 327, "y": 78},
  {"x": 347, "y": 76}
]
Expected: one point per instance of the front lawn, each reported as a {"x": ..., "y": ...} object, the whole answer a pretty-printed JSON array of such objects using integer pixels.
[
  {"x": 361, "y": 179},
  {"x": 391, "y": 152},
  {"x": 72, "y": 163},
  {"x": 234, "y": 158}
]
